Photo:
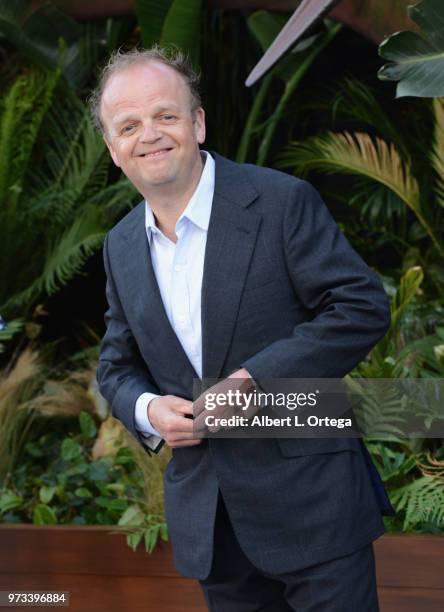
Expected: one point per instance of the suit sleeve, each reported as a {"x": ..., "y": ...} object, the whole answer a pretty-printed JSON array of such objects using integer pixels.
[
  {"x": 122, "y": 374},
  {"x": 349, "y": 305}
]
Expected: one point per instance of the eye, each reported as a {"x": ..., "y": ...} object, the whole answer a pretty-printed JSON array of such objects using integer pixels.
[
  {"x": 127, "y": 129},
  {"x": 167, "y": 118}
]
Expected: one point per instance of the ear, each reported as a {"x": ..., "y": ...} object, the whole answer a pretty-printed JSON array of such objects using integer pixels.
[
  {"x": 111, "y": 150},
  {"x": 199, "y": 125}
]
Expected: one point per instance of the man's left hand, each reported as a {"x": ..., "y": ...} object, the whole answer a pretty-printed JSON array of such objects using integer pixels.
[{"x": 239, "y": 381}]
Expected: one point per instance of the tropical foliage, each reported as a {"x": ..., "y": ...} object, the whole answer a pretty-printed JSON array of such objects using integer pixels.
[
  {"x": 288, "y": 72},
  {"x": 399, "y": 198},
  {"x": 66, "y": 460},
  {"x": 417, "y": 58},
  {"x": 171, "y": 22},
  {"x": 61, "y": 478},
  {"x": 57, "y": 198},
  {"x": 412, "y": 467},
  {"x": 38, "y": 33},
  {"x": 399, "y": 187}
]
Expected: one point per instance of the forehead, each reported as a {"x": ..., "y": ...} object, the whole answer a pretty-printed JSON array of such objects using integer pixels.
[{"x": 144, "y": 84}]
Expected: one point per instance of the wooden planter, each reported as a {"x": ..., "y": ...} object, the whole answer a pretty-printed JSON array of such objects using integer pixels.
[
  {"x": 410, "y": 573},
  {"x": 97, "y": 567},
  {"x": 102, "y": 573}
]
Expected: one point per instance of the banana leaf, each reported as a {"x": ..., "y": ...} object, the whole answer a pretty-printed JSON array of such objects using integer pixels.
[
  {"x": 416, "y": 60},
  {"x": 171, "y": 23},
  {"x": 151, "y": 15}
]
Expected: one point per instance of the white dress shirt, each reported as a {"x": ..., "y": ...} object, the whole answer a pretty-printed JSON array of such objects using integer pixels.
[{"x": 178, "y": 268}]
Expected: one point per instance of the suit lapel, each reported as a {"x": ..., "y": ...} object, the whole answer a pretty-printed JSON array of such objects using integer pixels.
[
  {"x": 146, "y": 302},
  {"x": 231, "y": 239}
]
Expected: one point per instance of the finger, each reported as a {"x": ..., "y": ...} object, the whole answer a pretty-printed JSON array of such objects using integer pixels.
[
  {"x": 184, "y": 407},
  {"x": 179, "y": 425}
]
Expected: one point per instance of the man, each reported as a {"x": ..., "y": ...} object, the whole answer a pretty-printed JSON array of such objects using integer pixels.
[{"x": 228, "y": 270}]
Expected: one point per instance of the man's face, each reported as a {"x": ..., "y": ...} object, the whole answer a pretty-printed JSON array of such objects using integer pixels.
[{"x": 150, "y": 129}]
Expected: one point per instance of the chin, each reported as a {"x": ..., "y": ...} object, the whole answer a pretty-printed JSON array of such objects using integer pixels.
[{"x": 159, "y": 180}]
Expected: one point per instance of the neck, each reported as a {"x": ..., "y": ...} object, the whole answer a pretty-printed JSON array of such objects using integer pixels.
[{"x": 169, "y": 201}]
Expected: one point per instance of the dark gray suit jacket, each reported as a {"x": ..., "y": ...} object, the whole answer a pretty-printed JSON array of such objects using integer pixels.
[{"x": 285, "y": 296}]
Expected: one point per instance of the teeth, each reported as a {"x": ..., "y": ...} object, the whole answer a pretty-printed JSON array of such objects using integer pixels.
[{"x": 154, "y": 154}]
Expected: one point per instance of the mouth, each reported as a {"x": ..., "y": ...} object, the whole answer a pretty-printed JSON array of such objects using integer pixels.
[{"x": 155, "y": 154}]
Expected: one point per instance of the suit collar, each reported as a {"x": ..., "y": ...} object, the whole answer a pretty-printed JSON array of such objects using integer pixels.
[{"x": 231, "y": 183}]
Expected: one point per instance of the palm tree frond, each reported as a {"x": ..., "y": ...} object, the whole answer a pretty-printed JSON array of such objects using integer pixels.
[
  {"x": 65, "y": 258},
  {"x": 357, "y": 154},
  {"x": 356, "y": 100},
  {"x": 68, "y": 254},
  {"x": 437, "y": 155},
  {"x": 363, "y": 156}
]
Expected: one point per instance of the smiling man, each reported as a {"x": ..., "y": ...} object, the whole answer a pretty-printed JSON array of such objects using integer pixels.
[
  {"x": 227, "y": 270},
  {"x": 153, "y": 129}
]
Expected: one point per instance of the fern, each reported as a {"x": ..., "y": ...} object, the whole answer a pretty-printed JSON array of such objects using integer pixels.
[
  {"x": 65, "y": 257},
  {"x": 422, "y": 501},
  {"x": 24, "y": 109},
  {"x": 70, "y": 252},
  {"x": 379, "y": 408},
  {"x": 66, "y": 201}
]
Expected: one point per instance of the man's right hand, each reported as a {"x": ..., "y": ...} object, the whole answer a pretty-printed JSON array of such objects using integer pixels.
[{"x": 167, "y": 414}]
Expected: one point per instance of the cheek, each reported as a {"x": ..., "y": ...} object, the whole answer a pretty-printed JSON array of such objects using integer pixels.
[{"x": 123, "y": 154}]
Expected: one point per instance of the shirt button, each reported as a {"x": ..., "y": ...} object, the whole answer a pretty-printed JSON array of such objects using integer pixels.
[
  {"x": 181, "y": 319},
  {"x": 177, "y": 268}
]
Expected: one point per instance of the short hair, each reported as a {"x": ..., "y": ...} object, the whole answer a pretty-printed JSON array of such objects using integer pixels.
[{"x": 120, "y": 61}]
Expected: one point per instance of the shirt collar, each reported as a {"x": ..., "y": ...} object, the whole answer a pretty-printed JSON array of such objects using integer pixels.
[{"x": 198, "y": 209}]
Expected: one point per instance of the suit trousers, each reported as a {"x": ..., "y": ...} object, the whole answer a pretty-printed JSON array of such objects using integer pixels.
[{"x": 345, "y": 584}]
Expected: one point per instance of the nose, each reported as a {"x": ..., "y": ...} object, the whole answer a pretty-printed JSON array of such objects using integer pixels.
[{"x": 150, "y": 133}]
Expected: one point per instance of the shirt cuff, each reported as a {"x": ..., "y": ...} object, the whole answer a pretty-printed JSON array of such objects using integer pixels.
[{"x": 141, "y": 415}]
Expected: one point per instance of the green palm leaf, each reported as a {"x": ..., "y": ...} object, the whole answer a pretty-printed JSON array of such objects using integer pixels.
[
  {"x": 68, "y": 254},
  {"x": 382, "y": 363},
  {"x": 182, "y": 27},
  {"x": 65, "y": 257},
  {"x": 151, "y": 15},
  {"x": 363, "y": 156},
  {"x": 437, "y": 155},
  {"x": 171, "y": 22},
  {"x": 67, "y": 202},
  {"x": 356, "y": 100}
]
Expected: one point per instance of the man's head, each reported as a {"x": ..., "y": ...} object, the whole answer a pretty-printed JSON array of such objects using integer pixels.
[{"x": 148, "y": 108}]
